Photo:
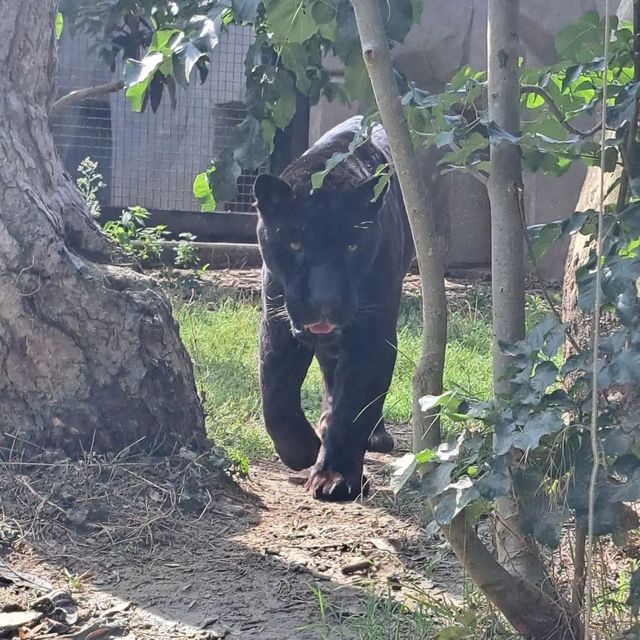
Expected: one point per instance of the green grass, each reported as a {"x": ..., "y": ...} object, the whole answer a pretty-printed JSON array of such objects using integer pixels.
[{"x": 223, "y": 343}]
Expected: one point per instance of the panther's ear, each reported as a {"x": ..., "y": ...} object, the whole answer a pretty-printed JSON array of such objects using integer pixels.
[
  {"x": 273, "y": 196},
  {"x": 363, "y": 194}
]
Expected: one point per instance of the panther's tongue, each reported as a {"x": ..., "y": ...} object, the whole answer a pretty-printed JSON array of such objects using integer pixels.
[{"x": 320, "y": 327}]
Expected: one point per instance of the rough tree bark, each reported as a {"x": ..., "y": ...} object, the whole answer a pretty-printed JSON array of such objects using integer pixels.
[
  {"x": 90, "y": 355},
  {"x": 427, "y": 379}
]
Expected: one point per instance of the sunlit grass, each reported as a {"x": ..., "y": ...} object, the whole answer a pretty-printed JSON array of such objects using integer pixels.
[{"x": 222, "y": 340}]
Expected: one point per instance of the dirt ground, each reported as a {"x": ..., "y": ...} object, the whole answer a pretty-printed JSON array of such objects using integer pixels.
[{"x": 168, "y": 549}]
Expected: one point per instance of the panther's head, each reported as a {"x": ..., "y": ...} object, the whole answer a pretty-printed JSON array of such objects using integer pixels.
[{"x": 319, "y": 246}]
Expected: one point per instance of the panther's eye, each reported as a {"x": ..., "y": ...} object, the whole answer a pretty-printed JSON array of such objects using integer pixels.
[
  {"x": 296, "y": 246},
  {"x": 351, "y": 248}
]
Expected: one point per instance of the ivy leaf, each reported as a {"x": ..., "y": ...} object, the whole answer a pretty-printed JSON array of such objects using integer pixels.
[
  {"x": 438, "y": 479},
  {"x": 536, "y": 337},
  {"x": 504, "y": 436},
  {"x": 582, "y": 40},
  {"x": 497, "y": 482},
  {"x": 543, "y": 236},
  {"x": 609, "y": 517},
  {"x": 545, "y": 375},
  {"x": 401, "y": 470},
  {"x": 634, "y": 592},
  {"x": 586, "y": 282},
  {"x": 205, "y": 30},
  {"x": 540, "y": 425},
  {"x": 622, "y": 112},
  {"x": 543, "y": 520},
  {"x": 454, "y": 499}
]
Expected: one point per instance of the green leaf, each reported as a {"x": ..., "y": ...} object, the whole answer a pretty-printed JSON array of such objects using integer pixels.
[
  {"x": 623, "y": 111},
  {"x": 399, "y": 18},
  {"x": 401, "y": 470},
  {"x": 59, "y": 24},
  {"x": 540, "y": 425},
  {"x": 324, "y": 12},
  {"x": 137, "y": 75},
  {"x": 167, "y": 39},
  {"x": 244, "y": 10},
  {"x": 571, "y": 75},
  {"x": 187, "y": 57},
  {"x": 437, "y": 480},
  {"x": 250, "y": 150},
  {"x": 454, "y": 499},
  {"x": 382, "y": 182},
  {"x": 290, "y": 21},
  {"x": 202, "y": 191},
  {"x": 497, "y": 482}
]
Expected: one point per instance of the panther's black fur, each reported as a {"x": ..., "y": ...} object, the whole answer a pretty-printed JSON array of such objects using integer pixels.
[{"x": 332, "y": 279}]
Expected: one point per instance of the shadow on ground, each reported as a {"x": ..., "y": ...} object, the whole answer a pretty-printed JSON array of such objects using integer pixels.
[{"x": 201, "y": 557}]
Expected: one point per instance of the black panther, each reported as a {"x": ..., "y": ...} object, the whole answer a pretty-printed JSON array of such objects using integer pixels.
[{"x": 334, "y": 262}]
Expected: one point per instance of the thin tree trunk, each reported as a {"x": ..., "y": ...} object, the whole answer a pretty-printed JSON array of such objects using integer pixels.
[
  {"x": 516, "y": 552},
  {"x": 505, "y": 183},
  {"x": 90, "y": 356},
  {"x": 427, "y": 379}
]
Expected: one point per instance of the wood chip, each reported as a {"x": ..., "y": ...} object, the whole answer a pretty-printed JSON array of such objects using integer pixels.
[{"x": 354, "y": 567}]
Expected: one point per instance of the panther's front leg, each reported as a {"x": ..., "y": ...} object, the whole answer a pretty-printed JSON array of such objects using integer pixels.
[
  {"x": 283, "y": 366},
  {"x": 362, "y": 379}
]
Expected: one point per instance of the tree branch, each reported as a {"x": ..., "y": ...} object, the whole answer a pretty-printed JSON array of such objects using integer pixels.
[
  {"x": 546, "y": 96},
  {"x": 82, "y": 94}
]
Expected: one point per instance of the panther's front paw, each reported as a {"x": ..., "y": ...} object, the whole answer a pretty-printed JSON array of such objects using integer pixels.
[{"x": 337, "y": 480}]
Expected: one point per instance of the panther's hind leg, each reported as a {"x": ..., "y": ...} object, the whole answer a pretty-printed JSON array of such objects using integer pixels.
[{"x": 283, "y": 366}]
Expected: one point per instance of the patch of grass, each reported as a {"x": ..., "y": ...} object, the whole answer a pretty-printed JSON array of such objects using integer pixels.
[
  {"x": 222, "y": 339},
  {"x": 415, "y": 615},
  {"x": 381, "y": 618}
]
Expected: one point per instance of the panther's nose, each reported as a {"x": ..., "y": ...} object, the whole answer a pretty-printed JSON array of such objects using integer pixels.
[
  {"x": 324, "y": 290},
  {"x": 325, "y": 308}
]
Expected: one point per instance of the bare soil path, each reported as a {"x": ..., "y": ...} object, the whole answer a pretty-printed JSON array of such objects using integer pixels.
[{"x": 166, "y": 550}]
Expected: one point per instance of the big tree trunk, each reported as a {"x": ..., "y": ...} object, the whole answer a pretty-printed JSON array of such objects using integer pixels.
[{"x": 90, "y": 356}]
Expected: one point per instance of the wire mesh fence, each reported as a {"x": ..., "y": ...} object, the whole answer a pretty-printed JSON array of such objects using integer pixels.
[{"x": 150, "y": 159}]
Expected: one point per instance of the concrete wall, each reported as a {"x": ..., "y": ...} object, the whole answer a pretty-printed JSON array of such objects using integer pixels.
[{"x": 453, "y": 34}]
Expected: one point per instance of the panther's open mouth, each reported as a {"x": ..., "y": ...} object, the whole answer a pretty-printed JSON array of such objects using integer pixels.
[{"x": 320, "y": 327}]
